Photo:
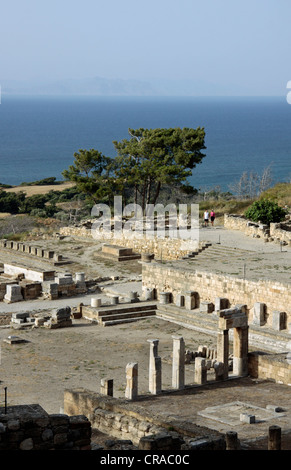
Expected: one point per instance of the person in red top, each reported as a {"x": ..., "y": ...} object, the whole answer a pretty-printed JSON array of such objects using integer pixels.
[{"x": 212, "y": 216}]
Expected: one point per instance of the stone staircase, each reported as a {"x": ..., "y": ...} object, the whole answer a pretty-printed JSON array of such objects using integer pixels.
[
  {"x": 217, "y": 252},
  {"x": 206, "y": 323},
  {"x": 109, "y": 315},
  {"x": 260, "y": 337}
]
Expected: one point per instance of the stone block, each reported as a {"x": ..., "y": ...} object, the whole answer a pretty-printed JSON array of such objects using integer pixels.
[
  {"x": 190, "y": 300},
  {"x": 220, "y": 303},
  {"x": 278, "y": 320},
  {"x": 206, "y": 307},
  {"x": 180, "y": 300},
  {"x": 259, "y": 313},
  {"x": 164, "y": 298},
  {"x": 246, "y": 418},
  {"x": 13, "y": 293}
]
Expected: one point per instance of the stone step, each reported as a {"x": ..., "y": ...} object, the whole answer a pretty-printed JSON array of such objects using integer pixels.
[
  {"x": 121, "y": 316},
  {"x": 120, "y": 308},
  {"x": 261, "y": 337},
  {"x": 191, "y": 318},
  {"x": 124, "y": 320}
]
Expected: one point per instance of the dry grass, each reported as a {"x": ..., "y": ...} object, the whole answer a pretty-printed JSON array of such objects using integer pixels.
[{"x": 37, "y": 189}]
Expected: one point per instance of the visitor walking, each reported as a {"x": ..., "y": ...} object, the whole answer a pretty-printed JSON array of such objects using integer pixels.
[
  {"x": 212, "y": 217},
  {"x": 206, "y": 218}
]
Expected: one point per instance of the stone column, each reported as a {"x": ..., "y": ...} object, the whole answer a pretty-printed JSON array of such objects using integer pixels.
[
  {"x": 106, "y": 387},
  {"x": 200, "y": 375},
  {"x": 240, "y": 351},
  {"x": 223, "y": 350},
  {"x": 95, "y": 302},
  {"x": 274, "y": 440},
  {"x": 178, "y": 367},
  {"x": 231, "y": 440},
  {"x": 155, "y": 368},
  {"x": 131, "y": 380}
]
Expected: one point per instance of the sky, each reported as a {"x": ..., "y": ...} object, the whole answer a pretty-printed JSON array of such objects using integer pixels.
[{"x": 240, "y": 47}]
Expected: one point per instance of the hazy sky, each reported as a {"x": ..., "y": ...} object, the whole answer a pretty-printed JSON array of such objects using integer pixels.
[{"x": 244, "y": 45}]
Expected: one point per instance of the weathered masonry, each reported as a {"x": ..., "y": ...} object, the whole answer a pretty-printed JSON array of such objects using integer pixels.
[{"x": 269, "y": 296}]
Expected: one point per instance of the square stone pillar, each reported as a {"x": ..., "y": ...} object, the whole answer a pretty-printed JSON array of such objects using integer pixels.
[
  {"x": 200, "y": 374},
  {"x": 223, "y": 350},
  {"x": 278, "y": 320},
  {"x": 190, "y": 300},
  {"x": 13, "y": 293},
  {"x": 259, "y": 313},
  {"x": 240, "y": 351},
  {"x": 155, "y": 368},
  {"x": 180, "y": 300},
  {"x": 106, "y": 387},
  {"x": 178, "y": 366},
  {"x": 220, "y": 303},
  {"x": 164, "y": 298},
  {"x": 131, "y": 381}
]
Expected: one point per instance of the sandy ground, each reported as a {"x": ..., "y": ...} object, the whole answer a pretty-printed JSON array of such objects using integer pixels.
[
  {"x": 41, "y": 189},
  {"x": 50, "y": 361}
]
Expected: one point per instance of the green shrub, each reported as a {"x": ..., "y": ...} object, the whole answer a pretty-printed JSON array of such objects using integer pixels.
[{"x": 265, "y": 211}]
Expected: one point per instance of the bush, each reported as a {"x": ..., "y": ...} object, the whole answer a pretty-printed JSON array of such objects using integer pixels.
[
  {"x": 11, "y": 202},
  {"x": 265, "y": 211}
]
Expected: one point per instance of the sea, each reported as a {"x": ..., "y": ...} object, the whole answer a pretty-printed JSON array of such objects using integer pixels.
[{"x": 40, "y": 134}]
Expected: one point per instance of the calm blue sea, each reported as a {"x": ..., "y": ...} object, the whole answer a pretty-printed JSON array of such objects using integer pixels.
[{"x": 39, "y": 135}]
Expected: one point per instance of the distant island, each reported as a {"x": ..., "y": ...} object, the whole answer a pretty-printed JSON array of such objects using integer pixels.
[{"x": 100, "y": 86}]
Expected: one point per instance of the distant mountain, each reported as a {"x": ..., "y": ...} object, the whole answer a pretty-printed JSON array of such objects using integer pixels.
[
  {"x": 92, "y": 86},
  {"x": 99, "y": 86}
]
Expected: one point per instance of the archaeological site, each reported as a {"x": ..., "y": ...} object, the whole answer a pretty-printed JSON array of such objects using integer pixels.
[{"x": 142, "y": 343}]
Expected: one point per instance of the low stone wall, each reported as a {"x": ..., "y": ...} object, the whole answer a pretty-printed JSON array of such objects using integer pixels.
[
  {"x": 126, "y": 420},
  {"x": 278, "y": 232},
  {"x": 171, "y": 248},
  {"x": 30, "y": 274},
  {"x": 281, "y": 231},
  {"x": 236, "y": 222},
  {"x": 29, "y": 427},
  {"x": 268, "y": 366},
  {"x": 163, "y": 278}
]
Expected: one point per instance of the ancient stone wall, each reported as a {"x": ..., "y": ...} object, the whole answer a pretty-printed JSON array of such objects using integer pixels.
[
  {"x": 266, "y": 366},
  {"x": 123, "y": 420},
  {"x": 276, "y": 296},
  {"x": 281, "y": 231},
  {"x": 276, "y": 232},
  {"x": 170, "y": 249},
  {"x": 29, "y": 427}
]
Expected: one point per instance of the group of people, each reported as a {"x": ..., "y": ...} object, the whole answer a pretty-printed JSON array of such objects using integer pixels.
[{"x": 206, "y": 217}]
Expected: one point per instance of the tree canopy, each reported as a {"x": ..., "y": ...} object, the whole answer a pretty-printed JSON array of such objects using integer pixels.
[
  {"x": 149, "y": 159},
  {"x": 91, "y": 173},
  {"x": 154, "y": 157}
]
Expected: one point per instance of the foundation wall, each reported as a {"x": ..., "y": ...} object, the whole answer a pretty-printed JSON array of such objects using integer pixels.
[
  {"x": 172, "y": 248},
  {"x": 123, "y": 420},
  {"x": 30, "y": 274},
  {"x": 274, "y": 295},
  {"x": 29, "y": 427},
  {"x": 276, "y": 232},
  {"x": 265, "y": 366}
]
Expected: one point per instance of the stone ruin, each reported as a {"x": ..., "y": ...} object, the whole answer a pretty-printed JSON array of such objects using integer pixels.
[
  {"x": 18, "y": 283},
  {"x": 117, "y": 253},
  {"x": 235, "y": 319},
  {"x": 48, "y": 255},
  {"x": 58, "y": 318}
]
